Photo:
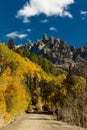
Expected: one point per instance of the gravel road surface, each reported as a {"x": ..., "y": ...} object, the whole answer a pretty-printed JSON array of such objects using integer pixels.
[{"x": 39, "y": 122}]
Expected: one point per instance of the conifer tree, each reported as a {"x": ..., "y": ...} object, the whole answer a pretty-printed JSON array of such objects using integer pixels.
[{"x": 11, "y": 44}]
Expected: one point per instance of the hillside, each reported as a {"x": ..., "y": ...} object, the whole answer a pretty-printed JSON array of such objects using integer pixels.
[
  {"x": 14, "y": 72},
  {"x": 25, "y": 86},
  {"x": 59, "y": 53}
]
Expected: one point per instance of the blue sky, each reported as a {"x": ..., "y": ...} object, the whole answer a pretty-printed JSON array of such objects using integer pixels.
[{"x": 28, "y": 20}]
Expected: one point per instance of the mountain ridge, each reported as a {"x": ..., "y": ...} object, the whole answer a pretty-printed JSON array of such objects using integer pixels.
[{"x": 60, "y": 53}]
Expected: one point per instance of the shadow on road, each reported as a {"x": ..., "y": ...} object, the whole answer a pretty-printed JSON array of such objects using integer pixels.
[
  {"x": 38, "y": 119},
  {"x": 46, "y": 113}
]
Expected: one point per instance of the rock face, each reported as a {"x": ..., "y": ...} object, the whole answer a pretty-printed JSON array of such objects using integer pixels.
[
  {"x": 60, "y": 54},
  {"x": 45, "y": 38}
]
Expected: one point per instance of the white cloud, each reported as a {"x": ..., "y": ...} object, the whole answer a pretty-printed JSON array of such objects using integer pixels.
[
  {"x": 19, "y": 45},
  {"x": 52, "y": 29},
  {"x": 47, "y": 7},
  {"x": 83, "y": 15},
  {"x": 26, "y": 20},
  {"x": 44, "y": 21},
  {"x": 16, "y": 35},
  {"x": 28, "y": 30},
  {"x": 13, "y": 34}
]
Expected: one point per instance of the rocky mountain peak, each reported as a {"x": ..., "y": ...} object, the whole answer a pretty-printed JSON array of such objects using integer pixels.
[{"x": 60, "y": 53}]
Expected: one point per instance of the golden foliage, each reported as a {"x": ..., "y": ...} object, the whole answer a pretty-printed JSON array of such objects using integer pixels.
[
  {"x": 15, "y": 71},
  {"x": 14, "y": 96}
]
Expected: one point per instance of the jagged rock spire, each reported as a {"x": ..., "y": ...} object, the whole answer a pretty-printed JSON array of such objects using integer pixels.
[
  {"x": 45, "y": 37},
  {"x": 52, "y": 39}
]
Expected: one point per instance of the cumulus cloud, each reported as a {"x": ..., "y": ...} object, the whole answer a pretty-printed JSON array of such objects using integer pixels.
[
  {"x": 47, "y": 7},
  {"x": 52, "y": 29},
  {"x": 16, "y": 35},
  {"x": 44, "y": 21}
]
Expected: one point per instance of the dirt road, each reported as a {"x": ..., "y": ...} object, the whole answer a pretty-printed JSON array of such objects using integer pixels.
[{"x": 39, "y": 122}]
